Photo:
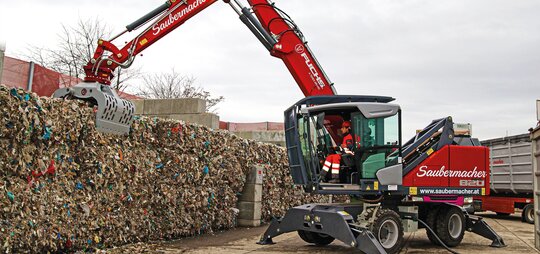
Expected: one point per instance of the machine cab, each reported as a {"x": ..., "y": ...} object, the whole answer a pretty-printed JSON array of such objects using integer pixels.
[{"x": 323, "y": 162}]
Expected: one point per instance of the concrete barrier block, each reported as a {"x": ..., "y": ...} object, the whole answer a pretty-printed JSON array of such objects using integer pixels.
[
  {"x": 174, "y": 106},
  {"x": 206, "y": 119},
  {"x": 139, "y": 106},
  {"x": 252, "y": 192},
  {"x": 249, "y": 223},
  {"x": 188, "y": 106},
  {"x": 158, "y": 107},
  {"x": 249, "y": 210},
  {"x": 255, "y": 175}
]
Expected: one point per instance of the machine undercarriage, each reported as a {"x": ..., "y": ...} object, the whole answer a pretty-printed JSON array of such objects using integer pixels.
[{"x": 373, "y": 228}]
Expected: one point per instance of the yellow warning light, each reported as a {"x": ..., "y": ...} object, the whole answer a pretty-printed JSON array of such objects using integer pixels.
[{"x": 143, "y": 41}]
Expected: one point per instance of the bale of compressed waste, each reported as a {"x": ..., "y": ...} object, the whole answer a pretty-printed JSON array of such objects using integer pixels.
[{"x": 64, "y": 186}]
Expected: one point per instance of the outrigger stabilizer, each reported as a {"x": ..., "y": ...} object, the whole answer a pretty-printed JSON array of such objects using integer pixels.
[
  {"x": 477, "y": 225},
  {"x": 114, "y": 114},
  {"x": 339, "y": 221}
]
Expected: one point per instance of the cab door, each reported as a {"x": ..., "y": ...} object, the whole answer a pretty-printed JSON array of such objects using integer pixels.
[{"x": 294, "y": 130}]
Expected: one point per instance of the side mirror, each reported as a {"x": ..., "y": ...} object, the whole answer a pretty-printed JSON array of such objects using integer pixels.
[{"x": 320, "y": 121}]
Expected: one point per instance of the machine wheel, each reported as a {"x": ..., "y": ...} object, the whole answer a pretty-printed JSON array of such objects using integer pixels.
[
  {"x": 430, "y": 220},
  {"x": 316, "y": 238},
  {"x": 450, "y": 226},
  {"x": 305, "y": 236},
  {"x": 528, "y": 214},
  {"x": 502, "y": 214},
  {"x": 388, "y": 229}
]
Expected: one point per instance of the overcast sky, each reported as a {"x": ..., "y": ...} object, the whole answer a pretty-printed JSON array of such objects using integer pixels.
[{"x": 478, "y": 61}]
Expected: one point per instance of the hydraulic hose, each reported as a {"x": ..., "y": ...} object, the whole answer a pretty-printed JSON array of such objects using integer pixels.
[
  {"x": 371, "y": 201},
  {"x": 434, "y": 234}
]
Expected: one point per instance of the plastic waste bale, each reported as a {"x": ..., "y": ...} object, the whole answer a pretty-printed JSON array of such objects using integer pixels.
[{"x": 66, "y": 187}]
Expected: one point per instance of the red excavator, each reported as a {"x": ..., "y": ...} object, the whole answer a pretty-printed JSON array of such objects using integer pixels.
[{"x": 395, "y": 187}]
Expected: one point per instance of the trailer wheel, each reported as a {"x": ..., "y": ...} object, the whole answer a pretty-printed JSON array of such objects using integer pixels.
[
  {"x": 450, "y": 226},
  {"x": 388, "y": 229},
  {"x": 430, "y": 221},
  {"x": 528, "y": 214},
  {"x": 316, "y": 238}
]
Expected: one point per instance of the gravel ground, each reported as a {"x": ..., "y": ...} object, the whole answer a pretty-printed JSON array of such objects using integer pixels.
[{"x": 516, "y": 234}]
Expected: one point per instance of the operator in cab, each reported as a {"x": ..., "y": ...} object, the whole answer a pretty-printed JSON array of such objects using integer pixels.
[
  {"x": 348, "y": 141},
  {"x": 333, "y": 161}
]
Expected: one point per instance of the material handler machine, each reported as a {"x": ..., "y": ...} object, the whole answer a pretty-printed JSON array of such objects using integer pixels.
[{"x": 398, "y": 188}]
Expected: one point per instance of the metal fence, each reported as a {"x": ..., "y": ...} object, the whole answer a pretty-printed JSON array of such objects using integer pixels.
[
  {"x": 38, "y": 79},
  {"x": 33, "y": 77}
]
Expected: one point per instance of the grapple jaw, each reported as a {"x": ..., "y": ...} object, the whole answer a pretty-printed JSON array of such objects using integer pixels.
[{"x": 114, "y": 114}]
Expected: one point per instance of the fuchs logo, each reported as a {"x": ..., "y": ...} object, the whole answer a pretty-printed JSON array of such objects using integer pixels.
[
  {"x": 299, "y": 49},
  {"x": 442, "y": 172},
  {"x": 158, "y": 27}
]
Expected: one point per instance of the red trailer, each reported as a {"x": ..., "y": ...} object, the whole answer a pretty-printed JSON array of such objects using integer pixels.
[
  {"x": 511, "y": 180},
  {"x": 505, "y": 206}
]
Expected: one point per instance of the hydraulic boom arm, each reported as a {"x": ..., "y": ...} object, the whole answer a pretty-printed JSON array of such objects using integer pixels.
[
  {"x": 108, "y": 57},
  {"x": 292, "y": 48},
  {"x": 273, "y": 27}
]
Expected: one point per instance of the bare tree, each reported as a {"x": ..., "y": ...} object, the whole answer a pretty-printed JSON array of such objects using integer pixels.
[
  {"x": 76, "y": 46},
  {"x": 171, "y": 85}
]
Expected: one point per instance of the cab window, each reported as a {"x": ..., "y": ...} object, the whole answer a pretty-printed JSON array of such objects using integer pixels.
[{"x": 375, "y": 141}]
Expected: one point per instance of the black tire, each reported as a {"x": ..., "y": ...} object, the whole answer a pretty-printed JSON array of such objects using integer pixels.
[
  {"x": 315, "y": 238},
  {"x": 450, "y": 225},
  {"x": 306, "y": 237},
  {"x": 502, "y": 214},
  {"x": 431, "y": 218},
  {"x": 388, "y": 229},
  {"x": 528, "y": 214}
]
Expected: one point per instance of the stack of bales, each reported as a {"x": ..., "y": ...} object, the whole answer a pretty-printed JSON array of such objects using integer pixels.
[{"x": 65, "y": 186}]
